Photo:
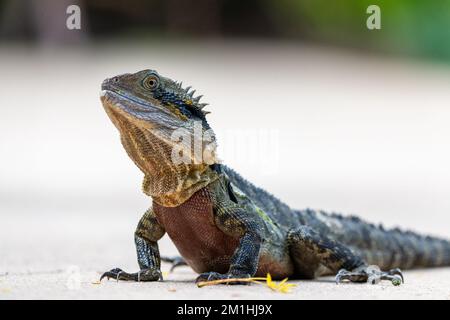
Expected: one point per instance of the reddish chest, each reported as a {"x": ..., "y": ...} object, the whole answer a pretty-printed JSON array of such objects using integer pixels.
[{"x": 191, "y": 228}]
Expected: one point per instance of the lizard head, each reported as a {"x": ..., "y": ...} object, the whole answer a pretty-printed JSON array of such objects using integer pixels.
[
  {"x": 151, "y": 100},
  {"x": 158, "y": 121}
]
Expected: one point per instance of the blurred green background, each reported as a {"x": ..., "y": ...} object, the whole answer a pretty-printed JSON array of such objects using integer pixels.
[{"x": 409, "y": 27}]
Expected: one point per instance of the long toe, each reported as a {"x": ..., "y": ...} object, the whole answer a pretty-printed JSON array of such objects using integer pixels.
[
  {"x": 397, "y": 272},
  {"x": 113, "y": 273},
  {"x": 370, "y": 274}
]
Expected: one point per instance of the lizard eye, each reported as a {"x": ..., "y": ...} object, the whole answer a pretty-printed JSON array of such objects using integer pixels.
[{"x": 151, "y": 82}]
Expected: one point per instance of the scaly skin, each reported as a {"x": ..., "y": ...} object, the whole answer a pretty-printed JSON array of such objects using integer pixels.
[{"x": 224, "y": 226}]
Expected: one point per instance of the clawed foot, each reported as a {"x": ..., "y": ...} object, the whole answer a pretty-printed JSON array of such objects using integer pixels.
[
  {"x": 370, "y": 274},
  {"x": 143, "y": 275},
  {"x": 211, "y": 276},
  {"x": 175, "y": 261}
]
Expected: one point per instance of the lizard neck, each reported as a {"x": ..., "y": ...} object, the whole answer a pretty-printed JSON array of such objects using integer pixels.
[
  {"x": 192, "y": 183},
  {"x": 168, "y": 183}
]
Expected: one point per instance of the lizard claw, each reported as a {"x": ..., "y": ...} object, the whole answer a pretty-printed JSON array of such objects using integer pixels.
[
  {"x": 397, "y": 280},
  {"x": 211, "y": 276},
  {"x": 351, "y": 276},
  {"x": 341, "y": 275},
  {"x": 113, "y": 273},
  {"x": 397, "y": 272},
  {"x": 143, "y": 275},
  {"x": 370, "y": 274}
]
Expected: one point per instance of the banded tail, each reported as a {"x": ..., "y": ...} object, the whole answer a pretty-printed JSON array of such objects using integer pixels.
[
  {"x": 387, "y": 248},
  {"x": 406, "y": 250}
]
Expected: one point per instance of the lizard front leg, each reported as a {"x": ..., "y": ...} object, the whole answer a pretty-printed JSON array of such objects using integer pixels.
[
  {"x": 234, "y": 220},
  {"x": 148, "y": 232}
]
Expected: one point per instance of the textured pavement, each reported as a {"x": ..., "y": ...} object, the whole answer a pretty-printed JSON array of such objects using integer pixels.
[{"x": 63, "y": 258}]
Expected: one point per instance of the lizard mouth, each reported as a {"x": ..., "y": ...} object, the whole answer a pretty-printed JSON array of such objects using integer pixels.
[
  {"x": 137, "y": 110},
  {"x": 139, "y": 104}
]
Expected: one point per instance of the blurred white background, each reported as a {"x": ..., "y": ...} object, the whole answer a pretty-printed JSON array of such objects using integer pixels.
[{"x": 357, "y": 134}]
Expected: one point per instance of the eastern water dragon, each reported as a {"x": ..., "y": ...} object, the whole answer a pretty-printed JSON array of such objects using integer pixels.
[{"x": 224, "y": 226}]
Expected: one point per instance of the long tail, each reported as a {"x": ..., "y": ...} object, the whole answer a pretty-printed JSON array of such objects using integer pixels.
[
  {"x": 387, "y": 248},
  {"x": 406, "y": 249}
]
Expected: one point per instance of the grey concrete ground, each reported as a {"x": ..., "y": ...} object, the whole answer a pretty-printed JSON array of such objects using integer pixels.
[
  {"x": 63, "y": 258},
  {"x": 353, "y": 133},
  {"x": 421, "y": 285}
]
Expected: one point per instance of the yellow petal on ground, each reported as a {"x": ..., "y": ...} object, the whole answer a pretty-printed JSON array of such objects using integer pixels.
[
  {"x": 271, "y": 284},
  {"x": 282, "y": 287},
  {"x": 287, "y": 288}
]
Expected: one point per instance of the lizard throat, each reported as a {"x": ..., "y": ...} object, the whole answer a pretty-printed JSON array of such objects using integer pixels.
[
  {"x": 190, "y": 184},
  {"x": 168, "y": 183}
]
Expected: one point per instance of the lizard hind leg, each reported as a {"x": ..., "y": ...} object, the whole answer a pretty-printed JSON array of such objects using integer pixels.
[{"x": 314, "y": 253}]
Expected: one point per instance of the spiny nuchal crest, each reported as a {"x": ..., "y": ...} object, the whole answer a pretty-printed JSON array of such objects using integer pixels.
[{"x": 170, "y": 92}]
